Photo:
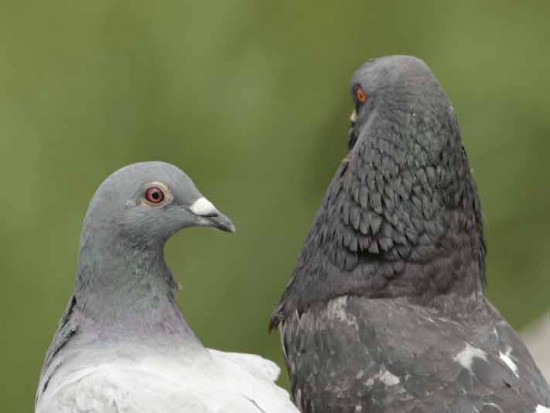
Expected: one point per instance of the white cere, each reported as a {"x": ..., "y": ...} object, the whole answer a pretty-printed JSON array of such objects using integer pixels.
[{"x": 203, "y": 207}]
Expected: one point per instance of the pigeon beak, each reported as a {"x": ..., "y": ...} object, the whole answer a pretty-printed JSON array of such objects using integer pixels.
[{"x": 209, "y": 216}]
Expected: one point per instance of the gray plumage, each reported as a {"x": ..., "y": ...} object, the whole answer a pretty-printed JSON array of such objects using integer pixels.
[
  {"x": 386, "y": 311},
  {"x": 123, "y": 345}
]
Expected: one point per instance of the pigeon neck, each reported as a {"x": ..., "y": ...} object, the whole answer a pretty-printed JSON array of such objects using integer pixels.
[
  {"x": 401, "y": 218},
  {"x": 126, "y": 287}
]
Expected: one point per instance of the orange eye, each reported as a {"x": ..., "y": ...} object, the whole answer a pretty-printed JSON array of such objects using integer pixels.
[{"x": 360, "y": 95}]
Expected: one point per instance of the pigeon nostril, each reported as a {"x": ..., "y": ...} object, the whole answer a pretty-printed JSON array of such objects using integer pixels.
[{"x": 211, "y": 215}]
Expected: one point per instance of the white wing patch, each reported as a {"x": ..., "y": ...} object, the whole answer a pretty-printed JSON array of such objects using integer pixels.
[
  {"x": 385, "y": 376},
  {"x": 389, "y": 379},
  {"x": 336, "y": 309},
  {"x": 505, "y": 357},
  {"x": 542, "y": 409},
  {"x": 466, "y": 357},
  {"x": 496, "y": 406}
]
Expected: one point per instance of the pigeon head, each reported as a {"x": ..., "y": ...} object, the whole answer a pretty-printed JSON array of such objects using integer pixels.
[
  {"x": 122, "y": 274},
  {"x": 394, "y": 85},
  {"x": 146, "y": 203},
  {"x": 401, "y": 217}
]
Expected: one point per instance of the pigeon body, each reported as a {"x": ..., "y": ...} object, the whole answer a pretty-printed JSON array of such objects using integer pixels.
[
  {"x": 386, "y": 311},
  {"x": 123, "y": 344}
]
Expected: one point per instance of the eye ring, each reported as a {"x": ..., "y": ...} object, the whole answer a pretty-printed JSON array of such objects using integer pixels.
[
  {"x": 154, "y": 195},
  {"x": 359, "y": 94}
]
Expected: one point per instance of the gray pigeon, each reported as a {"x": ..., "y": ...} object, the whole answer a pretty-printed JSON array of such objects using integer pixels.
[
  {"x": 386, "y": 310},
  {"x": 123, "y": 344}
]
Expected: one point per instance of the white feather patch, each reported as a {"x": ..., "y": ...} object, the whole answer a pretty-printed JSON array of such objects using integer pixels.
[
  {"x": 466, "y": 357},
  {"x": 385, "y": 376},
  {"x": 505, "y": 357}
]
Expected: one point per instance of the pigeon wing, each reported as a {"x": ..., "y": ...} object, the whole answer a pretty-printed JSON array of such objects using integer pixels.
[{"x": 360, "y": 354}]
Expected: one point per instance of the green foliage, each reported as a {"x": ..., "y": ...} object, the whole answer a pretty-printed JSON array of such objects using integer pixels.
[{"x": 251, "y": 99}]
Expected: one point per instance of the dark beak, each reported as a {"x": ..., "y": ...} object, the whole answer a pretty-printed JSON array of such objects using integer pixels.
[
  {"x": 219, "y": 221},
  {"x": 209, "y": 216}
]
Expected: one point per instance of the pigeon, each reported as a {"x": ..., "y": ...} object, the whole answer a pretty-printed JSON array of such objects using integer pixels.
[
  {"x": 123, "y": 344},
  {"x": 386, "y": 308}
]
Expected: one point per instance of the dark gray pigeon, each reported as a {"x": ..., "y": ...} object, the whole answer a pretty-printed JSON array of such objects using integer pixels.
[
  {"x": 123, "y": 345},
  {"x": 386, "y": 310}
]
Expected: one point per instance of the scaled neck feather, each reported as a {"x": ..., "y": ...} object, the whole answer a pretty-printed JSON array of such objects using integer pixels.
[{"x": 401, "y": 218}]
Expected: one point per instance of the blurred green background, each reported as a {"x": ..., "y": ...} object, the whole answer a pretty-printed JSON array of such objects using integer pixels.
[{"x": 251, "y": 99}]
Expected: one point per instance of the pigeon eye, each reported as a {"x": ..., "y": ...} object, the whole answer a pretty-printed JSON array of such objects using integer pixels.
[
  {"x": 360, "y": 94},
  {"x": 154, "y": 195}
]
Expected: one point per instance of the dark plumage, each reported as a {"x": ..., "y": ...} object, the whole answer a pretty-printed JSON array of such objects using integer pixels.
[{"x": 386, "y": 311}]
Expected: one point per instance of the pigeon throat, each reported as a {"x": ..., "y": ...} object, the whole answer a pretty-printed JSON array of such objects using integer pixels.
[{"x": 123, "y": 284}]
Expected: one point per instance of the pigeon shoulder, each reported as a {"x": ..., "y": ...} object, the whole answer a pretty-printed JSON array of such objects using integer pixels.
[
  {"x": 254, "y": 364},
  {"x": 68, "y": 327},
  {"x": 394, "y": 356},
  {"x": 255, "y": 376},
  {"x": 113, "y": 387},
  {"x": 515, "y": 354}
]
